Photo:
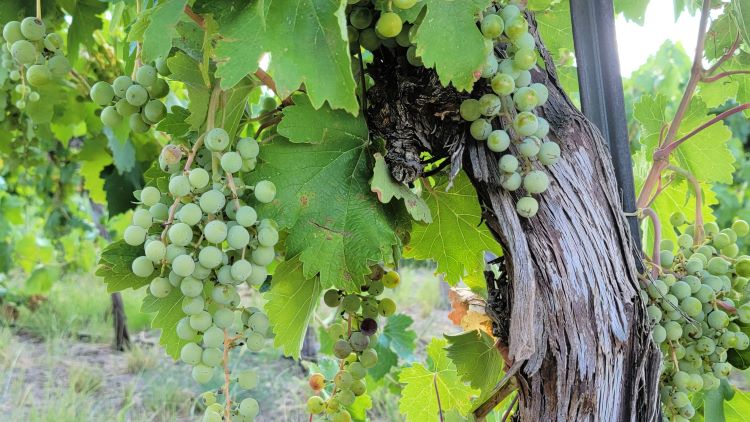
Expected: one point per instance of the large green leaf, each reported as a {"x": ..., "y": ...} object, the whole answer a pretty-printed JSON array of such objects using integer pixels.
[
  {"x": 398, "y": 335},
  {"x": 115, "y": 267},
  {"x": 83, "y": 24},
  {"x": 94, "y": 158},
  {"x": 322, "y": 63},
  {"x": 477, "y": 359},
  {"x": 157, "y": 38},
  {"x": 419, "y": 397},
  {"x": 336, "y": 225},
  {"x": 386, "y": 188},
  {"x": 303, "y": 123},
  {"x": 168, "y": 314},
  {"x": 437, "y": 40},
  {"x": 741, "y": 9},
  {"x": 455, "y": 239},
  {"x": 291, "y": 304},
  {"x": 187, "y": 70}
]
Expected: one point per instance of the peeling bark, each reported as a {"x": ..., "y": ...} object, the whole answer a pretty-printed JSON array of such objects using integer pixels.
[{"x": 576, "y": 319}]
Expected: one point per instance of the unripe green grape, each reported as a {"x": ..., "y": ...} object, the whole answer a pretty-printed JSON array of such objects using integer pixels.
[
  {"x": 388, "y": 25},
  {"x": 263, "y": 255},
  {"x": 721, "y": 369},
  {"x": 674, "y": 330},
  {"x": 718, "y": 265},
  {"x": 342, "y": 416},
  {"x": 654, "y": 314},
  {"x": 120, "y": 86},
  {"x": 124, "y": 108},
  {"x": 265, "y": 191},
  {"x": 150, "y": 196},
  {"x": 741, "y": 228},
  {"x": 489, "y": 105},
  {"x": 212, "y": 201},
  {"x": 710, "y": 228},
  {"x": 527, "y": 207},
  {"x": 549, "y": 153},
  {"x": 155, "y": 251},
  {"x": 480, "y": 129},
  {"x": 173, "y": 251},
  {"x": 192, "y": 305},
  {"x": 134, "y": 235},
  {"x": 516, "y": 28},
  {"x": 530, "y": 147},
  {"x": 190, "y": 214},
  {"x": 492, "y": 26},
  {"x": 12, "y": 32},
  {"x": 183, "y": 265},
  {"x": 238, "y": 237},
  {"x": 160, "y": 287},
  {"x": 677, "y": 219},
  {"x": 212, "y": 357},
  {"x": 680, "y": 290},
  {"x": 510, "y": 12},
  {"x": 498, "y": 141},
  {"x": 258, "y": 276},
  {"x": 215, "y": 231},
  {"x": 191, "y": 287},
  {"x": 259, "y": 322},
  {"x": 184, "y": 330},
  {"x": 721, "y": 240},
  {"x": 154, "y": 111},
  {"x": 136, "y": 95},
  {"x": 200, "y": 321},
  {"x": 213, "y": 337},
  {"x": 413, "y": 58},
  {"x": 525, "y": 41},
  {"x": 315, "y": 405},
  {"x": 376, "y": 288},
  {"x": 684, "y": 241},
  {"x": 369, "y": 39},
  {"x": 369, "y": 358},
  {"x": 694, "y": 266},
  {"x": 223, "y": 293},
  {"x": 342, "y": 349},
  {"x": 146, "y": 75},
  {"x": 470, "y": 110},
  {"x": 525, "y": 123},
  {"x": 728, "y": 340},
  {"x": 503, "y": 84},
  {"x": 223, "y": 318},
  {"x": 691, "y": 306},
  {"x": 136, "y": 123},
  {"x": 248, "y": 148},
  {"x": 202, "y": 374},
  {"x": 359, "y": 341},
  {"x": 180, "y": 234},
  {"x": 241, "y": 270},
  {"x": 536, "y": 182},
  {"x": 159, "y": 89},
  {"x": 332, "y": 298},
  {"x": 508, "y": 163},
  {"x": 33, "y": 29},
  {"x": 351, "y": 303},
  {"x": 231, "y": 162},
  {"x": 541, "y": 91},
  {"x": 658, "y": 334},
  {"x": 38, "y": 75},
  {"x": 267, "y": 236},
  {"x": 386, "y": 307},
  {"x": 490, "y": 65},
  {"x": 200, "y": 272},
  {"x": 543, "y": 128},
  {"x": 14, "y": 75},
  {"x": 718, "y": 319},
  {"x": 255, "y": 342},
  {"x": 730, "y": 250},
  {"x": 110, "y": 117},
  {"x": 404, "y": 4},
  {"x": 346, "y": 397},
  {"x": 33, "y": 97},
  {"x": 525, "y": 99},
  {"x": 102, "y": 93},
  {"x": 360, "y": 17},
  {"x": 511, "y": 181},
  {"x": 246, "y": 216},
  {"x": 191, "y": 353}
]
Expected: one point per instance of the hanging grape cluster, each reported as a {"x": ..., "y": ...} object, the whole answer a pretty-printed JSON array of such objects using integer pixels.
[
  {"x": 513, "y": 99},
  {"x": 137, "y": 100},
  {"x": 355, "y": 335},
  {"x": 697, "y": 306},
  {"x": 371, "y": 29},
  {"x": 206, "y": 244},
  {"x": 33, "y": 57}
]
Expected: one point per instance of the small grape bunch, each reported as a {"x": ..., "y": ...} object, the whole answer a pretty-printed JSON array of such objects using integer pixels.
[
  {"x": 372, "y": 29},
  {"x": 139, "y": 100},
  {"x": 33, "y": 57},
  {"x": 355, "y": 337},
  {"x": 698, "y": 308},
  {"x": 514, "y": 97}
]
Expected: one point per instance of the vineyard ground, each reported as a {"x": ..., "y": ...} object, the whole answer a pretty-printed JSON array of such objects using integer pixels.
[{"x": 57, "y": 363}]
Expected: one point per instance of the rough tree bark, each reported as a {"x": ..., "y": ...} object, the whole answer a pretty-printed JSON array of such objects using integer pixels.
[{"x": 576, "y": 321}]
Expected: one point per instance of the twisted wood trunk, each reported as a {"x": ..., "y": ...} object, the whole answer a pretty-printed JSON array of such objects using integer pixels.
[{"x": 575, "y": 317}]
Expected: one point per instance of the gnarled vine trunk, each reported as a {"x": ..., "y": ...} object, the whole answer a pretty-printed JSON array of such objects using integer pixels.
[{"x": 575, "y": 317}]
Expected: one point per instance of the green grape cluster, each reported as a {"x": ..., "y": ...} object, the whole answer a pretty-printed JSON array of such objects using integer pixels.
[
  {"x": 139, "y": 100},
  {"x": 370, "y": 29},
  {"x": 512, "y": 102},
  {"x": 698, "y": 307},
  {"x": 355, "y": 336},
  {"x": 33, "y": 57},
  {"x": 207, "y": 243}
]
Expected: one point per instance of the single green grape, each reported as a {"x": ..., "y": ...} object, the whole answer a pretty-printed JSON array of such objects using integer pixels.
[
  {"x": 192, "y": 305},
  {"x": 136, "y": 95},
  {"x": 134, "y": 235},
  {"x": 215, "y": 231},
  {"x": 511, "y": 181},
  {"x": 360, "y": 17},
  {"x": 498, "y": 141},
  {"x": 156, "y": 251},
  {"x": 248, "y": 148},
  {"x": 386, "y": 307},
  {"x": 489, "y": 105},
  {"x": 191, "y": 353},
  {"x": 154, "y": 111},
  {"x": 516, "y": 27},
  {"x": 183, "y": 265},
  {"x": 241, "y": 269},
  {"x": 146, "y": 75},
  {"x": 110, "y": 117},
  {"x": 160, "y": 287},
  {"x": 489, "y": 69},
  {"x": 549, "y": 153},
  {"x": 150, "y": 196},
  {"x": 184, "y": 330},
  {"x": 238, "y": 237},
  {"x": 480, "y": 129},
  {"x": 121, "y": 85},
  {"x": 536, "y": 182},
  {"x": 315, "y": 405},
  {"x": 530, "y": 147},
  {"x": 191, "y": 287},
  {"x": 388, "y": 25},
  {"x": 265, "y": 191},
  {"x": 508, "y": 163},
  {"x": 38, "y": 75},
  {"x": 33, "y": 29},
  {"x": 492, "y": 26},
  {"x": 527, "y": 207},
  {"x": 470, "y": 110},
  {"x": 179, "y": 185},
  {"x": 503, "y": 84},
  {"x": 102, "y": 93},
  {"x": 231, "y": 162},
  {"x": 136, "y": 123},
  {"x": 525, "y": 99},
  {"x": 351, "y": 303},
  {"x": 246, "y": 216},
  {"x": 12, "y": 32},
  {"x": 212, "y": 201}
]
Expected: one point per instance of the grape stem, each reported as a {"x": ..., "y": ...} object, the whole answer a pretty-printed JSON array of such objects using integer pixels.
[
  {"x": 513, "y": 402},
  {"x": 39, "y": 9},
  {"x": 437, "y": 394},
  {"x": 699, "y": 233},
  {"x": 227, "y": 379},
  {"x": 655, "y": 258},
  {"x": 137, "y": 63},
  {"x": 727, "y": 307},
  {"x": 674, "y": 357}
]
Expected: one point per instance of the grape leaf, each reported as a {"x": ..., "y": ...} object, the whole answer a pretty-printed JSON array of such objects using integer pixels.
[
  {"x": 157, "y": 38},
  {"x": 168, "y": 314},
  {"x": 477, "y": 359},
  {"x": 556, "y": 30},
  {"x": 359, "y": 408},
  {"x": 41, "y": 279},
  {"x": 457, "y": 63},
  {"x": 303, "y": 124},
  {"x": 418, "y": 398},
  {"x": 291, "y": 304},
  {"x": 633, "y": 10},
  {"x": 386, "y": 188},
  {"x": 456, "y": 239},
  {"x": 174, "y": 122},
  {"x": 398, "y": 336},
  {"x": 154, "y": 176},
  {"x": 322, "y": 63},
  {"x": 94, "y": 158},
  {"x": 386, "y": 360},
  {"x": 85, "y": 21},
  {"x": 705, "y": 155},
  {"x": 114, "y": 267},
  {"x": 234, "y": 101},
  {"x": 123, "y": 153},
  {"x": 335, "y": 224},
  {"x": 741, "y": 10},
  {"x": 187, "y": 70}
]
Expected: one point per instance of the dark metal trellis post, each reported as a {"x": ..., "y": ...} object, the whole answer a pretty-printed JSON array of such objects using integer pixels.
[{"x": 601, "y": 92}]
